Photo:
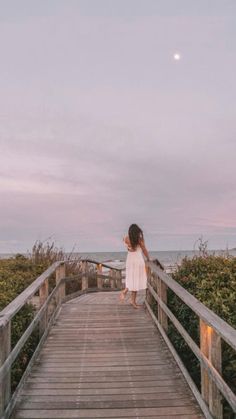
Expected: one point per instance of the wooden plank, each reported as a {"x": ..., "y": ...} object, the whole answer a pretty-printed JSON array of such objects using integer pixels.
[
  {"x": 210, "y": 343},
  {"x": 5, "y": 380},
  {"x": 227, "y": 332},
  {"x": 208, "y": 366},
  {"x": 84, "y": 275},
  {"x": 215, "y": 357},
  {"x": 95, "y": 262},
  {"x": 183, "y": 369},
  {"x": 99, "y": 278},
  {"x": 61, "y": 274},
  {"x": 205, "y": 350},
  {"x": 27, "y": 333},
  {"x": 25, "y": 375},
  {"x": 105, "y": 373},
  {"x": 166, "y": 385},
  {"x": 118, "y": 279},
  {"x": 105, "y": 397},
  {"x": 104, "y": 413},
  {"x": 107, "y": 404},
  {"x": 124, "y": 360},
  {"x": 162, "y": 293},
  {"x": 11, "y": 309},
  {"x": 43, "y": 295}
]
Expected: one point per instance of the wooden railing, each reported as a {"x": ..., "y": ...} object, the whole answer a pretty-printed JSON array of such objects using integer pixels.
[
  {"x": 52, "y": 292},
  {"x": 212, "y": 330}
]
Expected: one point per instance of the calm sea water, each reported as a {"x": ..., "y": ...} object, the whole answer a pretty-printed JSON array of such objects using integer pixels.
[{"x": 167, "y": 258}]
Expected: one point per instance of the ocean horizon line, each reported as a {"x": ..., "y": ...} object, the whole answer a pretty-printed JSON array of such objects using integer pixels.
[{"x": 125, "y": 251}]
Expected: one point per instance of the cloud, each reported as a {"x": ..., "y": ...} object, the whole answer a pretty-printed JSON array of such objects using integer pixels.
[{"x": 100, "y": 128}]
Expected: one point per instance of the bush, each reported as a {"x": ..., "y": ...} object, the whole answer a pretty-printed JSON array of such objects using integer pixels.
[
  {"x": 16, "y": 274},
  {"x": 212, "y": 280}
]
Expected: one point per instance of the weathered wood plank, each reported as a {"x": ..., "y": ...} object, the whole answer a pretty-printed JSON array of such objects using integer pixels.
[
  {"x": 227, "y": 332},
  {"x": 113, "y": 403},
  {"x": 123, "y": 369},
  {"x": 5, "y": 380},
  {"x": 12, "y": 308},
  {"x": 106, "y": 397},
  {"x": 105, "y": 413},
  {"x": 166, "y": 385},
  {"x": 208, "y": 366},
  {"x": 97, "y": 391}
]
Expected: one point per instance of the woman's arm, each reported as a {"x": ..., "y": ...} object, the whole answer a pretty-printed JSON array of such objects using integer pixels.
[
  {"x": 144, "y": 249},
  {"x": 126, "y": 240}
]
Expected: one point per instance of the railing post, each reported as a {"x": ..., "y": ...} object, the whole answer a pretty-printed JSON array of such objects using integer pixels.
[
  {"x": 61, "y": 273},
  {"x": 99, "y": 272},
  {"x": 84, "y": 275},
  {"x": 118, "y": 279},
  {"x": 5, "y": 381},
  {"x": 149, "y": 280},
  {"x": 43, "y": 295},
  {"x": 210, "y": 344},
  {"x": 112, "y": 278},
  {"x": 162, "y": 294}
]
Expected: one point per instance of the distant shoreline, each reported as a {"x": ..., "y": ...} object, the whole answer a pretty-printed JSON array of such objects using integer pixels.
[
  {"x": 233, "y": 249},
  {"x": 166, "y": 257}
]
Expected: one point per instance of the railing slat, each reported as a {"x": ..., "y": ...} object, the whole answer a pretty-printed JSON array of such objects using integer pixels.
[
  {"x": 162, "y": 293},
  {"x": 227, "y": 332},
  {"x": 105, "y": 265},
  {"x": 5, "y": 383},
  {"x": 182, "y": 367},
  {"x": 16, "y": 350},
  {"x": 211, "y": 370},
  {"x": 7, "y": 357},
  {"x": 99, "y": 278},
  {"x": 11, "y": 309},
  {"x": 43, "y": 295},
  {"x": 60, "y": 274},
  {"x": 84, "y": 275},
  {"x": 210, "y": 343}
]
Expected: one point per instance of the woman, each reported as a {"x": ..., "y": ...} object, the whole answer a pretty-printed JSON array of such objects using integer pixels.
[{"x": 135, "y": 277}]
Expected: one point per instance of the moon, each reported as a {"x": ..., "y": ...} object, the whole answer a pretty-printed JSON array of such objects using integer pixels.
[{"x": 176, "y": 56}]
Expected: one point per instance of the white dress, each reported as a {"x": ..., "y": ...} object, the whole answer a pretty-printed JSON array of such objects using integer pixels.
[{"x": 135, "y": 275}]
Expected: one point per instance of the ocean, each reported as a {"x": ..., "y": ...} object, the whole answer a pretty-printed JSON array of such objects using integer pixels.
[{"x": 167, "y": 258}]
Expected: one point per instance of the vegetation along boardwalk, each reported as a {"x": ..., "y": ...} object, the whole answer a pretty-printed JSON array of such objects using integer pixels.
[
  {"x": 96, "y": 357},
  {"x": 104, "y": 359}
]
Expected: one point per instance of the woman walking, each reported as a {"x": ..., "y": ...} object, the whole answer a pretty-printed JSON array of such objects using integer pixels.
[{"x": 136, "y": 276}]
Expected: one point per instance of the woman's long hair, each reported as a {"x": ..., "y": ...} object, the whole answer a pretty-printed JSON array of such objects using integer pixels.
[{"x": 135, "y": 235}]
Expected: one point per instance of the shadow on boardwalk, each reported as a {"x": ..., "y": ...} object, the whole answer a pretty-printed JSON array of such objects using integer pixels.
[{"x": 104, "y": 359}]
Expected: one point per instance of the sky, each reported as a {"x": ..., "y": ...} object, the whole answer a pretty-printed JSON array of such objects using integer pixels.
[{"x": 101, "y": 127}]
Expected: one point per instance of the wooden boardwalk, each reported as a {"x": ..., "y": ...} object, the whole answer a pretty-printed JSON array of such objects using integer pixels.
[{"x": 104, "y": 359}]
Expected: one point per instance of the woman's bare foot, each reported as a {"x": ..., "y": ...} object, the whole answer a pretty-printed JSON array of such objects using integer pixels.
[
  {"x": 134, "y": 304},
  {"x": 122, "y": 296}
]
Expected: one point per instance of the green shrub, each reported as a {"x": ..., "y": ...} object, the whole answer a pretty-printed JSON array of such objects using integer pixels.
[
  {"x": 16, "y": 274},
  {"x": 212, "y": 280}
]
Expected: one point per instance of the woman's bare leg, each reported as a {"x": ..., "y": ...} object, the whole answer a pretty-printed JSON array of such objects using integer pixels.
[
  {"x": 133, "y": 299},
  {"x": 123, "y": 294}
]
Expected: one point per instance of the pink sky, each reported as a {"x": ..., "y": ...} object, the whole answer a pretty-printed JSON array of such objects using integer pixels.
[{"x": 100, "y": 127}]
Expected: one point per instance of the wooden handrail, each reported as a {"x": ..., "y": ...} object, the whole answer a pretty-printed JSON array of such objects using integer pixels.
[
  {"x": 95, "y": 262},
  {"x": 212, "y": 329},
  {"x": 14, "y": 306},
  {"x": 227, "y": 332},
  {"x": 16, "y": 350},
  {"x": 8, "y": 355}
]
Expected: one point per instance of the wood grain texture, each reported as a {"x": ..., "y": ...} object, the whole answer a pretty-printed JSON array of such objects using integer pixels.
[
  {"x": 104, "y": 359},
  {"x": 227, "y": 332}
]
